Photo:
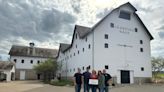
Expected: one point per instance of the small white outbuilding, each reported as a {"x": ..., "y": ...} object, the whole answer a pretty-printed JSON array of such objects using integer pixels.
[{"x": 7, "y": 71}]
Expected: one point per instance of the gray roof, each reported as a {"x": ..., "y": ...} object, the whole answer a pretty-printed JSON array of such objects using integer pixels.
[
  {"x": 6, "y": 65},
  {"x": 82, "y": 31},
  {"x": 35, "y": 51},
  {"x": 64, "y": 46}
]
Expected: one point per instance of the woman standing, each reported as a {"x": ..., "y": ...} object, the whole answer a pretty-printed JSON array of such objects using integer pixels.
[
  {"x": 101, "y": 81},
  {"x": 94, "y": 77}
]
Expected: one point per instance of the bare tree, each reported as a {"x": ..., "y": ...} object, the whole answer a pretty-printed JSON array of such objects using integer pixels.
[{"x": 157, "y": 66}]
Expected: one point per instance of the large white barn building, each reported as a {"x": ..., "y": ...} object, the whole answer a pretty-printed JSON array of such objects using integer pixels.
[
  {"x": 119, "y": 43},
  {"x": 25, "y": 57}
]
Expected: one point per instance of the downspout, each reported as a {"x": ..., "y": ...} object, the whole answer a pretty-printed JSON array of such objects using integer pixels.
[{"x": 93, "y": 51}]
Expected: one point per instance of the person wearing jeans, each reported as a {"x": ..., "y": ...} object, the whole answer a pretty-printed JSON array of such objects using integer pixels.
[
  {"x": 86, "y": 76},
  {"x": 95, "y": 77},
  {"x": 107, "y": 80},
  {"x": 78, "y": 80},
  {"x": 101, "y": 81}
]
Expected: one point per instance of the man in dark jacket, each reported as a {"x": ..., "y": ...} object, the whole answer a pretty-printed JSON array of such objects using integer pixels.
[
  {"x": 78, "y": 80},
  {"x": 107, "y": 80},
  {"x": 86, "y": 77}
]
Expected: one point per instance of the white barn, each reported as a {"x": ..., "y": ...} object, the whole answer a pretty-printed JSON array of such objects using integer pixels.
[
  {"x": 25, "y": 57},
  {"x": 119, "y": 43},
  {"x": 7, "y": 71}
]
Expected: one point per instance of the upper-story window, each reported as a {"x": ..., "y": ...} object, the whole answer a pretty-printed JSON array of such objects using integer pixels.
[
  {"x": 76, "y": 45},
  {"x": 106, "y": 67},
  {"x": 15, "y": 60},
  {"x": 142, "y": 68},
  {"x": 124, "y": 15},
  {"x": 38, "y": 61},
  {"x": 83, "y": 49},
  {"x": 106, "y": 36},
  {"x": 83, "y": 68},
  {"x": 136, "y": 30},
  {"x": 89, "y": 46},
  {"x": 76, "y": 36},
  {"x": 106, "y": 45},
  {"x": 78, "y": 52},
  {"x": 86, "y": 39},
  {"x": 74, "y": 54},
  {"x": 141, "y": 49},
  {"x": 141, "y": 42},
  {"x": 22, "y": 61},
  {"x": 31, "y": 61},
  {"x": 112, "y": 25}
]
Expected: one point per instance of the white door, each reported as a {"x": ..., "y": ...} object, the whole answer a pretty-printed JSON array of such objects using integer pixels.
[{"x": 22, "y": 75}]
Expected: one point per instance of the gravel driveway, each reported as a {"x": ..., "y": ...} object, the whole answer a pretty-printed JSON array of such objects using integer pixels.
[
  {"x": 19, "y": 86},
  {"x": 131, "y": 88},
  {"x": 35, "y": 86}
]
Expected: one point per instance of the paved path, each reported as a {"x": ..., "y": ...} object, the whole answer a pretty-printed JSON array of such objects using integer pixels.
[{"x": 35, "y": 86}]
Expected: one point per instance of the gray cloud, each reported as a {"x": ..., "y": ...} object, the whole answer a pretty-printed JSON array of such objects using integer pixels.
[
  {"x": 147, "y": 8},
  {"x": 76, "y": 5},
  {"x": 161, "y": 34},
  {"x": 31, "y": 21},
  {"x": 104, "y": 12}
]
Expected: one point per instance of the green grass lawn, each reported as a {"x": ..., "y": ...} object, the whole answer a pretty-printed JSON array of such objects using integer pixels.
[{"x": 161, "y": 75}]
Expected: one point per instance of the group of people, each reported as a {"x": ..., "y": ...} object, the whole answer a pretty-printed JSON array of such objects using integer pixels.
[{"x": 93, "y": 81}]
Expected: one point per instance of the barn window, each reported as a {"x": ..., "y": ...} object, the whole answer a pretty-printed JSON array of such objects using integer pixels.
[
  {"x": 124, "y": 15},
  {"x": 86, "y": 39},
  {"x": 89, "y": 46},
  {"x": 76, "y": 36},
  {"x": 78, "y": 52},
  {"x": 15, "y": 60},
  {"x": 142, "y": 68},
  {"x": 83, "y": 68},
  {"x": 106, "y": 36},
  {"x": 106, "y": 45},
  {"x": 136, "y": 30},
  {"x": 106, "y": 67},
  {"x": 141, "y": 42},
  {"x": 112, "y": 25},
  {"x": 83, "y": 49},
  {"x": 31, "y": 61},
  {"x": 141, "y": 49},
  {"x": 38, "y": 61},
  {"x": 22, "y": 61}
]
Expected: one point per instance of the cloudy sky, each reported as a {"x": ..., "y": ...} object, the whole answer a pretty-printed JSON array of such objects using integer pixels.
[{"x": 50, "y": 22}]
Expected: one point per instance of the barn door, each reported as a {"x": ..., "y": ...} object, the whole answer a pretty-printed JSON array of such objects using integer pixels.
[
  {"x": 125, "y": 76},
  {"x": 22, "y": 75}
]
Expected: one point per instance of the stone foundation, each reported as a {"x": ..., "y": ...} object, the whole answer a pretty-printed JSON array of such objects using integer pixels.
[{"x": 140, "y": 80}]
